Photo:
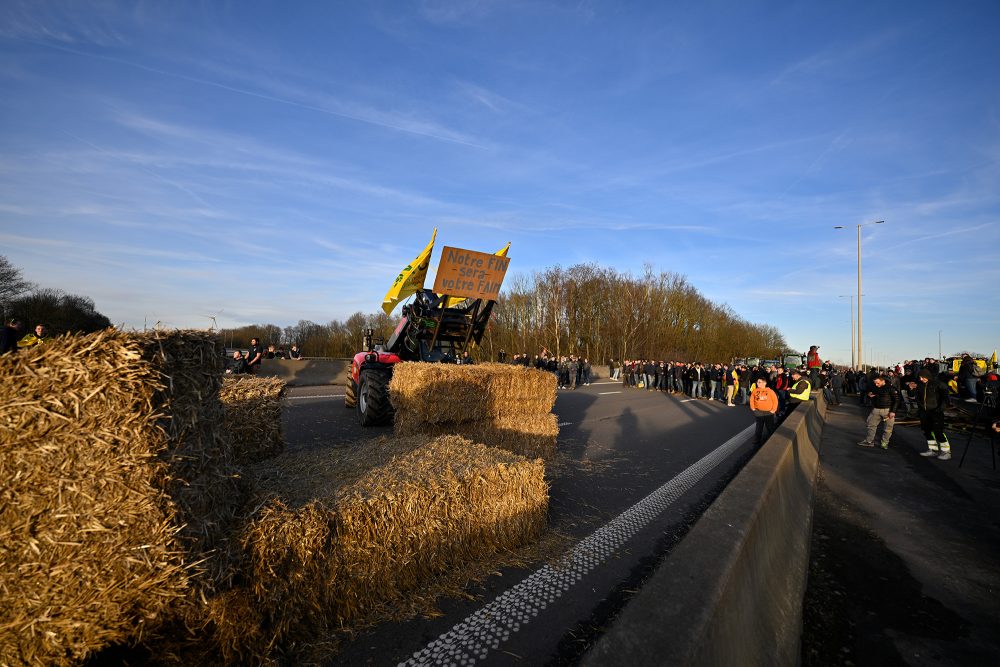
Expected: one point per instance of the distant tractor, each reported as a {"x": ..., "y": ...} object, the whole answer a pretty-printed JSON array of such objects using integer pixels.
[{"x": 793, "y": 360}]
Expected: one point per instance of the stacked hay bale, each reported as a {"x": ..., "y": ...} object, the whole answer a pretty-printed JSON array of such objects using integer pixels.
[
  {"x": 252, "y": 407},
  {"x": 341, "y": 533},
  {"x": 204, "y": 481},
  {"x": 118, "y": 490},
  {"x": 494, "y": 404}
]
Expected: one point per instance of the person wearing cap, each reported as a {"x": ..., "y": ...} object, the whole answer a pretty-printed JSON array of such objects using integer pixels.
[
  {"x": 932, "y": 397},
  {"x": 764, "y": 404},
  {"x": 884, "y": 398},
  {"x": 799, "y": 390},
  {"x": 814, "y": 364}
]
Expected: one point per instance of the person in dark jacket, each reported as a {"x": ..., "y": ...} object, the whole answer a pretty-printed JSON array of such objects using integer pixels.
[
  {"x": 884, "y": 399},
  {"x": 239, "y": 364},
  {"x": 836, "y": 385},
  {"x": 11, "y": 334},
  {"x": 849, "y": 380},
  {"x": 714, "y": 378},
  {"x": 781, "y": 382},
  {"x": 966, "y": 380},
  {"x": 932, "y": 396}
]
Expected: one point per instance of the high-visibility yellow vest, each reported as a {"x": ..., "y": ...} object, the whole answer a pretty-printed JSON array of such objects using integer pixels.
[{"x": 801, "y": 394}]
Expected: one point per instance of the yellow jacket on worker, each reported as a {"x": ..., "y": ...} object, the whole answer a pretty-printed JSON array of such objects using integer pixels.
[{"x": 799, "y": 391}]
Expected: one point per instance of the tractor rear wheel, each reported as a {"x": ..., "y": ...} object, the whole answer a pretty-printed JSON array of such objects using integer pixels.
[
  {"x": 350, "y": 393},
  {"x": 374, "y": 408}
]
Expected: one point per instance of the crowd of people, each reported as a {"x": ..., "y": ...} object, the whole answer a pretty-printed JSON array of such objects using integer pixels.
[
  {"x": 250, "y": 362},
  {"x": 571, "y": 371},
  {"x": 923, "y": 389}
]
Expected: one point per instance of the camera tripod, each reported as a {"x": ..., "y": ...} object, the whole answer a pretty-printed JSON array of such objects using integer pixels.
[{"x": 989, "y": 401}]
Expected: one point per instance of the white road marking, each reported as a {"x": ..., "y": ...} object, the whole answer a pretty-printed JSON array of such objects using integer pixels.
[
  {"x": 688, "y": 400},
  {"x": 605, "y": 393},
  {"x": 565, "y": 423},
  {"x": 489, "y": 628},
  {"x": 302, "y": 398}
]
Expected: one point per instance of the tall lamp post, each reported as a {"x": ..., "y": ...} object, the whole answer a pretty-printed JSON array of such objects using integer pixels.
[
  {"x": 851, "y": 297},
  {"x": 863, "y": 224}
]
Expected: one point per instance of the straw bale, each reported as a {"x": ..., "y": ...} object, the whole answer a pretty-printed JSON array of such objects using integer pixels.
[
  {"x": 438, "y": 393},
  {"x": 87, "y": 532},
  {"x": 342, "y": 533},
  {"x": 205, "y": 483},
  {"x": 531, "y": 437},
  {"x": 253, "y": 416},
  {"x": 118, "y": 490}
]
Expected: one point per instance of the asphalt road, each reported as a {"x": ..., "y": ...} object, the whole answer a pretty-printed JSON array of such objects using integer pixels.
[{"x": 634, "y": 469}]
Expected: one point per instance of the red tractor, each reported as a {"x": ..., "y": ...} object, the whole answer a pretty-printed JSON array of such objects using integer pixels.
[{"x": 429, "y": 331}]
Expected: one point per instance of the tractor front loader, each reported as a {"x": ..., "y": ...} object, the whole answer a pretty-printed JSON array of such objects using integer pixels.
[{"x": 429, "y": 331}]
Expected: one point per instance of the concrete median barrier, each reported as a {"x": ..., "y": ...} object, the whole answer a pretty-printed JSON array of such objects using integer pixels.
[
  {"x": 731, "y": 592},
  {"x": 306, "y": 372}
]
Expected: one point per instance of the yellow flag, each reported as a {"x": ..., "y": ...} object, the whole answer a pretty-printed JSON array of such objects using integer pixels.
[
  {"x": 452, "y": 300},
  {"x": 993, "y": 360},
  {"x": 410, "y": 279}
]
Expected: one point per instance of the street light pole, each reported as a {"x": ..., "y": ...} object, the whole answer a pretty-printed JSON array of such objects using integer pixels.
[
  {"x": 851, "y": 297},
  {"x": 863, "y": 224},
  {"x": 859, "y": 294},
  {"x": 939, "y": 343}
]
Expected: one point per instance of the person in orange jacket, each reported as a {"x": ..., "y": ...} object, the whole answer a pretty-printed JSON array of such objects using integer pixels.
[{"x": 764, "y": 404}]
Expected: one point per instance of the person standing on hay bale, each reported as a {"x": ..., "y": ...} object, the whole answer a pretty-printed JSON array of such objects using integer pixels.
[
  {"x": 10, "y": 336},
  {"x": 40, "y": 336},
  {"x": 254, "y": 356}
]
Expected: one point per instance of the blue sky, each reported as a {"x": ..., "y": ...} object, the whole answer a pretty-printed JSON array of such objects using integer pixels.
[{"x": 270, "y": 162}]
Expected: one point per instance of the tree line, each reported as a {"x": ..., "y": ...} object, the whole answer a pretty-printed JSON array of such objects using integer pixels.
[
  {"x": 58, "y": 311},
  {"x": 586, "y": 310},
  {"x": 600, "y": 313}
]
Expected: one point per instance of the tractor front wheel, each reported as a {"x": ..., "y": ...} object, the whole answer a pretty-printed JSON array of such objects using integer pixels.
[
  {"x": 374, "y": 408},
  {"x": 350, "y": 393}
]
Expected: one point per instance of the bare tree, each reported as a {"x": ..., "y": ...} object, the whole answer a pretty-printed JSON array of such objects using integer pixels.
[{"x": 12, "y": 285}]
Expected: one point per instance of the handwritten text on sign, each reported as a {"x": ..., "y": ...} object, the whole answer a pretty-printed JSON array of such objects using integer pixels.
[{"x": 470, "y": 274}]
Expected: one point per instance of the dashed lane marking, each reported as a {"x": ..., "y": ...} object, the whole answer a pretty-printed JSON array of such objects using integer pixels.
[
  {"x": 605, "y": 393},
  {"x": 487, "y": 629},
  {"x": 565, "y": 423}
]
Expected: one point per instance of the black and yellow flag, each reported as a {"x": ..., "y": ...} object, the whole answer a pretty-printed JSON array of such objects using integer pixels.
[{"x": 410, "y": 279}]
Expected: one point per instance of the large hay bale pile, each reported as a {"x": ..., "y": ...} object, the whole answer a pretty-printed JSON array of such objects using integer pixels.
[
  {"x": 117, "y": 489},
  {"x": 344, "y": 532},
  {"x": 252, "y": 407},
  {"x": 495, "y": 404}
]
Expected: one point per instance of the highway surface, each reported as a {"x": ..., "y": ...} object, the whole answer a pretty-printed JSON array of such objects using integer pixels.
[{"x": 635, "y": 468}]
